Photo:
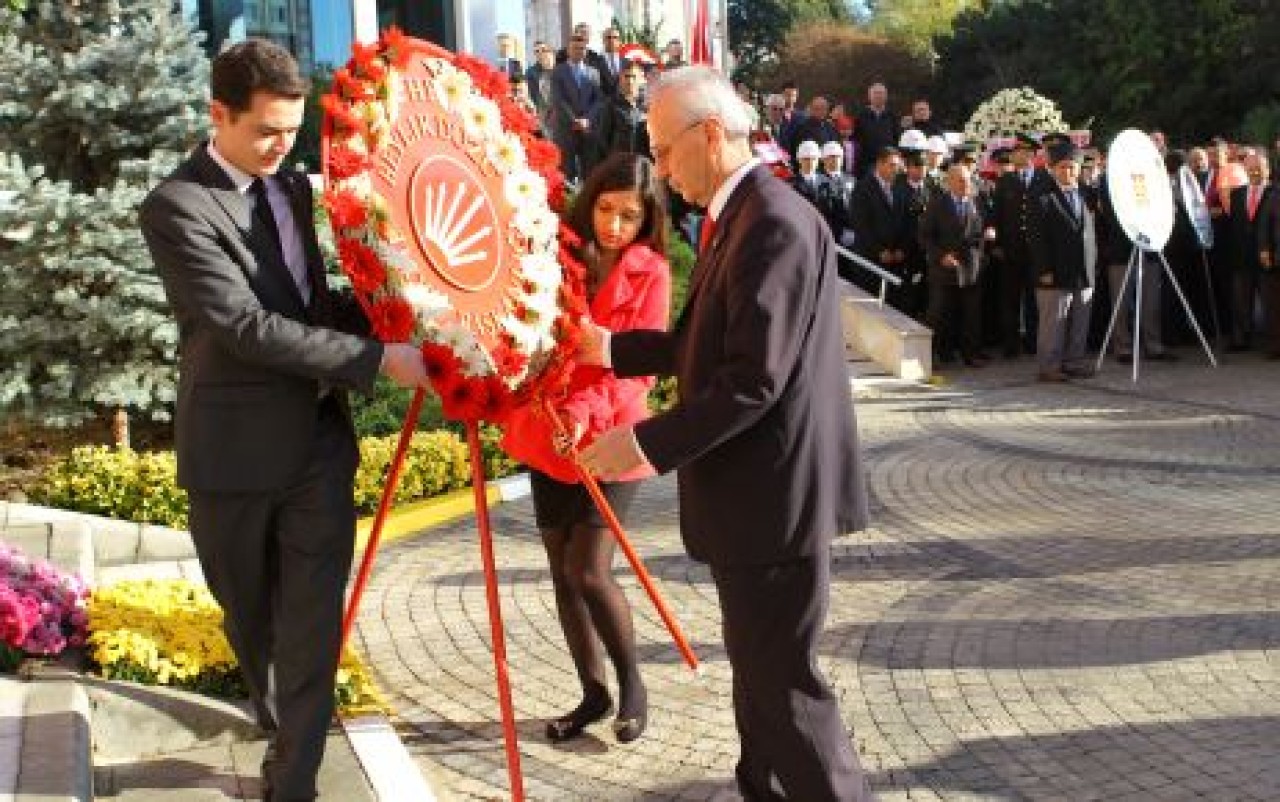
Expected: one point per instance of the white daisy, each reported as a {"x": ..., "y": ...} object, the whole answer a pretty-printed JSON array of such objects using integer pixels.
[
  {"x": 506, "y": 152},
  {"x": 480, "y": 118},
  {"x": 452, "y": 88}
]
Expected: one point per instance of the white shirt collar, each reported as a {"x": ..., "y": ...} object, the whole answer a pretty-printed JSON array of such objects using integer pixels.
[
  {"x": 721, "y": 197},
  {"x": 239, "y": 178}
]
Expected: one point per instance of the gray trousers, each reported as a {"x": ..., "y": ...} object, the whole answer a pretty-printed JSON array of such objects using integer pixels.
[
  {"x": 1064, "y": 327},
  {"x": 1152, "y": 281}
]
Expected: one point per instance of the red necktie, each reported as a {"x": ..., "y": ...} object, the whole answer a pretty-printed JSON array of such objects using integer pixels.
[{"x": 704, "y": 236}]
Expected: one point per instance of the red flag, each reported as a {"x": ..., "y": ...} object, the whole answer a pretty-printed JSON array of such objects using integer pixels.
[{"x": 700, "y": 34}]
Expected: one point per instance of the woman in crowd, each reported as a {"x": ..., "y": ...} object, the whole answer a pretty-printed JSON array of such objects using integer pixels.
[{"x": 620, "y": 215}]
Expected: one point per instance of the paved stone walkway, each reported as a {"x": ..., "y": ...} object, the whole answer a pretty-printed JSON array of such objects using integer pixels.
[{"x": 1070, "y": 592}]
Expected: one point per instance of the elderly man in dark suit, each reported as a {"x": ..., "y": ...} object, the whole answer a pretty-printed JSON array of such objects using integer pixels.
[
  {"x": 1064, "y": 255},
  {"x": 951, "y": 232},
  {"x": 1244, "y": 214},
  {"x": 265, "y": 445},
  {"x": 575, "y": 93},
  {"x": 763, "y": 435}
]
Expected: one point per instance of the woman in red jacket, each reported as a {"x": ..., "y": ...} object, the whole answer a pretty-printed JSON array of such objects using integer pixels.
[{"x": 621, "y": 216}]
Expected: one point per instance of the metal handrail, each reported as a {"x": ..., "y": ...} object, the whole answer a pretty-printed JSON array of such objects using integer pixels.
[{"x": 867, "y": 264}]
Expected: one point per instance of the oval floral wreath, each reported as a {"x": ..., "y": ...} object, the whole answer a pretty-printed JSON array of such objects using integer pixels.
[{"x": 444, "y": 204}]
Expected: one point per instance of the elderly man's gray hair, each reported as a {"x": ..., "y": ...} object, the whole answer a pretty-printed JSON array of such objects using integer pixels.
[{"x": 702, "y": 92}]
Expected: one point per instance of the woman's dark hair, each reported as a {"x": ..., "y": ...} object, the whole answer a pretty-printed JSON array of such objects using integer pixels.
[
  {"x": 1174, "y": 160},
  {"x": 620, "y": 172},
  {"x": 255, "y": 65}
]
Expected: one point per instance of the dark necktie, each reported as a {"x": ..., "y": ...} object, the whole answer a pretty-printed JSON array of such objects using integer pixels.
[{"x": 264, "y": 223}]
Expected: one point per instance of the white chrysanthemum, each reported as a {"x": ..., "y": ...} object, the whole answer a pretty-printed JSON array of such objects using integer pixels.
[
  {"x": 506, "y": 152},
  {"x": 544, "y": 304},
  {"x": 542, "y": 269},
  {"x": 1014, "y": 111},
  {"x": 524, "y": 188},
  {"x": 452, "y": 88},
  {"x": 528, "y": 336},
  {"x": 480, "y": 118},
  {"x": 538, "y": 223},
  {"x": 426, "y": 302}
]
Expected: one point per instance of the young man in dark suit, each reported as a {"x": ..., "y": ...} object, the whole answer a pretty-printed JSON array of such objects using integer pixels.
[
  {"x": 265, "y": 445},
  {"x": 1064, "y": 256},
  {"x": 876, "y": 215},
  {"x": 575, "y": 94},
  {"x": 763, "y": 436}
]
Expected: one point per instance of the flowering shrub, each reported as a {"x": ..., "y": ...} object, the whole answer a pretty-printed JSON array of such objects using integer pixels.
[
  {"x": 1010, "y": 112},
  {"x": 42, "y": 609},
  {"x": 143, "y": 486},
  {"x": 169, "y": 632}
]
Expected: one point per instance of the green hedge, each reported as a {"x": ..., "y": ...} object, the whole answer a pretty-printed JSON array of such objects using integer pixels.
[{"x": 142, "y": 486}]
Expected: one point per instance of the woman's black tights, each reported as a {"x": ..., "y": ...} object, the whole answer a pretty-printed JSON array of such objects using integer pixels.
[{"x": 593, "y": 610}]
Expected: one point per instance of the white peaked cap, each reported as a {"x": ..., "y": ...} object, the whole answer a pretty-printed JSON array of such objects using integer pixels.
[
  {"x": 938, "y": 145},
  {"x": 912, "y": 139},
  {"x": 832, "y": 149},
  {"x": 808, "y": 150}
]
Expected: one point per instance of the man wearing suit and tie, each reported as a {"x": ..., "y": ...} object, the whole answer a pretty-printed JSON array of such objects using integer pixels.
[
  {"x": 575, "y": 93},
  {"x": 611, "y": 63},
  {"x": 876, "y": 216},
  {"x": 1064, "y": 256},
  {"x": 1244, "y": 215},
  {"x": 951, "y": 233},
  {"x": 763, "y": 436},
  {"x": 265, "y": 445}
]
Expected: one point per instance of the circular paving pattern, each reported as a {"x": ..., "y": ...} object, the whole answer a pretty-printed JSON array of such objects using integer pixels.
[{"x": 1069, "y": 593}]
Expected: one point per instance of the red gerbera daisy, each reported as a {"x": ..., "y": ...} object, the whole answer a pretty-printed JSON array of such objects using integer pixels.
[
  {"x": 344, "y": 119},
  {"x": 345, "y": 162},
  {"x": 362, "y": 266},
  {"x": 346, "y": 210},
  {"x": 392, "y": 320},
  {"x": 463, "y": 399}
]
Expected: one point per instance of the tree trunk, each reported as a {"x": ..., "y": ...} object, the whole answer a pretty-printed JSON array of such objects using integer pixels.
[{"x": 120, "y": 428}]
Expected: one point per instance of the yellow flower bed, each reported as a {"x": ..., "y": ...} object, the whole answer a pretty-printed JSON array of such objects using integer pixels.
[{"x": 169, "y": 632}]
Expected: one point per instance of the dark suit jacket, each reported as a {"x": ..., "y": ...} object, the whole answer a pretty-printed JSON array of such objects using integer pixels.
[
  {"x": 877, "y": 222},
  {"x": 570, "y": 101},
  {"x": 1269, "y": 227},
  {"x": 942, "y": 231},
  {"x": 620, "y": 127},
  {"x": 874, "y": 131},
  {"x": 253, "y": 358},
  {"x": 1245, "y": 234},
  {"x": 1064, "y": 248},
  {"x": 763, "y": 433},
  {"x": 608, "y": 77}
]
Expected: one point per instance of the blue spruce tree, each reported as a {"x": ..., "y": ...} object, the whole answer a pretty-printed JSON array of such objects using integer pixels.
[{"x": 101, "y": 99}]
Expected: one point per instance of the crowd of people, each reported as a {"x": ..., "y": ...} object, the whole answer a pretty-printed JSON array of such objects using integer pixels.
[{"x": 882, "y": 182}]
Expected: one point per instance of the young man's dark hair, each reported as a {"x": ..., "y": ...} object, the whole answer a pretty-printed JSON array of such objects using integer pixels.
[{"x": 251, "y": 66}]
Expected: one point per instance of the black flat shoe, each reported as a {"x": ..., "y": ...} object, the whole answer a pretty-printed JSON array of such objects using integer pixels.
[
  {"x": 571, "y": 726},
  {"x": 627, "y": 730}
]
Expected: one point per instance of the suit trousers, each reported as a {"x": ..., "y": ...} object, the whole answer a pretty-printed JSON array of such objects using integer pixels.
[
  {"x": 1122, "y": 337},
  {"x": 787, "y": 718},
  {"x": 955, "y": 315},
  {"x": 1245, "y": 288},
  {"x": 277, "y": 562},
  {"x": 1064, "y": 327}
]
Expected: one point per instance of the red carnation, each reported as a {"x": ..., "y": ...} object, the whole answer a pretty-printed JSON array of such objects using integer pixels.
[
  {"x": 514, "y": 116},
  {"x": 440, "y": 363},
  {"x": 346, "y": 210},
  {"x": 392, "y": 320},
  {"x": 351, "y": 88},
  {"x": 542, "y": 154},
  {"x": 344, "y": 119},
  {"x": 362, "y": 266},
  {"x": 365, "y": 62},
  {"x": 463, "y": 399},
  {"x": 345, "y": 162},
  {"x": 396, "y": 46}
]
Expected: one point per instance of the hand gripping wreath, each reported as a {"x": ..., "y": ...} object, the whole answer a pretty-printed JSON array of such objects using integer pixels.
[{"x": 441, "y": 199}]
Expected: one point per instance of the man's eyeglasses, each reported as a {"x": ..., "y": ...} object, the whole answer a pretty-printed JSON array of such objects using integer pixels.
[
  {"x": 661, "y": 152},
  {"x": 612, "y": 36}
]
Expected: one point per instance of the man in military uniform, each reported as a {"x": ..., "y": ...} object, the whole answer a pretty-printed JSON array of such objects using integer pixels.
[
  {"x": 834, "y": 199},
  {"x": 914, "y": 193},
  {"x": 1014, "y": 192}
]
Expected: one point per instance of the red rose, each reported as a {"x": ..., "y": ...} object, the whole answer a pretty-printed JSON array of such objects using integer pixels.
[
  {"x": 346, "y": 210},
  {"x": 392, "y": 320},
  {"x": 345, "y": 162},
  {"x": 362, "y": 266}
]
